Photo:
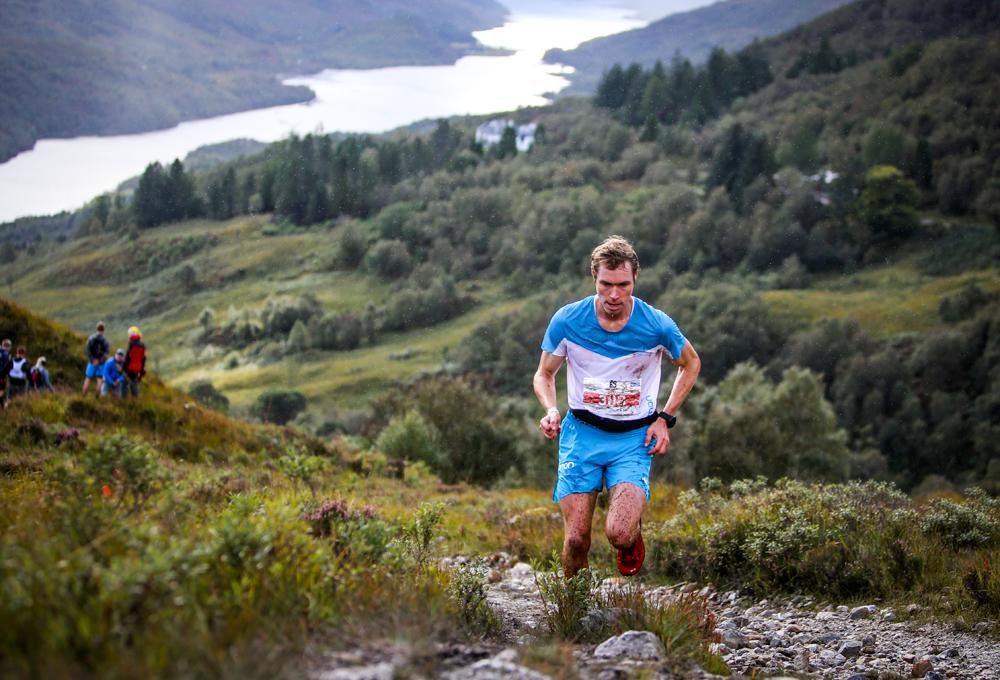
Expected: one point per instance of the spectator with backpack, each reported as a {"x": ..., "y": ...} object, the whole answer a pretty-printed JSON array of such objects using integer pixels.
[
  {"x": 96, "y": 348},
  {"x": 39, "y": 377},
  {"x": 17, "y": 376},
  {"x": 4, "y": 368},
  {"x": 114, "y": 379},
  {"x": 135, "y": 362}
]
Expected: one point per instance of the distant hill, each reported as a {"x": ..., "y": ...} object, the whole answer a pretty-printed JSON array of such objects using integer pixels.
[
  {"x": 730, "y": 24},
  {"x": 119, "y": 66}
]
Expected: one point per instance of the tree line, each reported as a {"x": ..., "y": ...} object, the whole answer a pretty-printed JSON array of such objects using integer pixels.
[{"x": 682, "y": 93}]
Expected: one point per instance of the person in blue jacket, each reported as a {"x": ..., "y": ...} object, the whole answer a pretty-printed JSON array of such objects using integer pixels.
[{"x": 114, "y": 379}]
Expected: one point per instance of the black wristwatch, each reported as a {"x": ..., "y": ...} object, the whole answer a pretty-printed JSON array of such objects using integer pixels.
[{"x": 671, "y": 420}]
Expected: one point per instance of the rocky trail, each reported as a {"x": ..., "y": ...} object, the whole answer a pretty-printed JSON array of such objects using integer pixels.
[{"x": 767, "y": 638}]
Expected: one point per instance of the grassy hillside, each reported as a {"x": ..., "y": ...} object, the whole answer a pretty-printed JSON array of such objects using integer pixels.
[
  {"x": 159, "y": 538},
  {"x": 116, "y": 67},
  {"x": 730, "y": 24}
]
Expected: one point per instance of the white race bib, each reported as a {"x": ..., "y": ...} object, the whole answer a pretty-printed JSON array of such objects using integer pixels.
[{"x": 612, "y": 397}]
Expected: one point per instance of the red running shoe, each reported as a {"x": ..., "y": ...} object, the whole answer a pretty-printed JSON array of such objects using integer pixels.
[{"x": 630, "y": 559}]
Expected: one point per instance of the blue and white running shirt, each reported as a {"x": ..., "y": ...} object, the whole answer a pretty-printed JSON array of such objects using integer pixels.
[{"x": 613, "y": 374}]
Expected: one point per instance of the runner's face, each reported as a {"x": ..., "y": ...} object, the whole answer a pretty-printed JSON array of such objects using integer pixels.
[{"x": 614, "y": 290}]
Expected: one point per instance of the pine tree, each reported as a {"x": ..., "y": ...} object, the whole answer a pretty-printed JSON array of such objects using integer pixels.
[
  {"x": 508, "y": 143},
  {"x": 611, "y": 89}
]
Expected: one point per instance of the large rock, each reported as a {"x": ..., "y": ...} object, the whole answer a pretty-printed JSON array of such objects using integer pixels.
[
  {"x": 863, "y": 612},
  {"x": 851, "y": 648},
  {"x": 379, "y": 671},
  {"x": 632, "y": 644},
  {"x": 495, "y": 669},
  {"x": 733, "y": 639}
]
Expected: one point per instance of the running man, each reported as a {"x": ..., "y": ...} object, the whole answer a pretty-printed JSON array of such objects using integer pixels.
[{"x": 613, "y": 344}]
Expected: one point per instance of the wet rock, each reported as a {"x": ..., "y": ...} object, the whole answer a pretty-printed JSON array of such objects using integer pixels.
[{"x": 632, "y": 644}]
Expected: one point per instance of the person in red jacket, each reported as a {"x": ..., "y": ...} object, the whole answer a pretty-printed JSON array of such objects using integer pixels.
[{"x": 135, "y": 361}]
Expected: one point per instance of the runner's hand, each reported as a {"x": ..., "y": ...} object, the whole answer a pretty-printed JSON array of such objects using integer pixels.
[
  {"x": 658, "y": 430},
  {"x": 549, "y": 425}
]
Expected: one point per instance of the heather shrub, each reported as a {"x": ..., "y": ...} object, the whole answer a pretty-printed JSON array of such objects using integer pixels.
[
  {"x": 973, "y": 522},
  {"x": 842, "y": 540},
  {"x": 467, "y": 590}
]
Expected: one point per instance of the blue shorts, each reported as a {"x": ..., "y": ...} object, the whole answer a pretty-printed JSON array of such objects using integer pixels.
[
  {"x": 94, "y": 371},
  {"x": 589, "y": 458}
]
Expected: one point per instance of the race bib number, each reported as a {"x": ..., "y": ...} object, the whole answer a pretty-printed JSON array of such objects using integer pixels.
[{"x": 612, "y": 397}]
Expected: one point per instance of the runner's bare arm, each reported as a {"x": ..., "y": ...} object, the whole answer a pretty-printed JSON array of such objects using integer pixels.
[
  {"x": 688, "y": 367},
  {"x": 545, "y": 389}
]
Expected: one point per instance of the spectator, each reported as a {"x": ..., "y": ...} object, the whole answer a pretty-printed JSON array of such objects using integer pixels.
[
  {"x": 4, "y": 368},
  {"x": 96, "y": 348},
  {"x": 17, "y": 376},
  {"x": 135, "y": 362},
  {"x": 114, "y": 380},
  {"x": 39, "y": 377}
]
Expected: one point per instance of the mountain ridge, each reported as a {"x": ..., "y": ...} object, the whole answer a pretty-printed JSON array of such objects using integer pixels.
[{"x": 730, "y": 24}]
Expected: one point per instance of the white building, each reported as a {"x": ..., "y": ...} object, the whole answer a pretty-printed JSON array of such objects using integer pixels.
[{"x": 491, "y": 133}]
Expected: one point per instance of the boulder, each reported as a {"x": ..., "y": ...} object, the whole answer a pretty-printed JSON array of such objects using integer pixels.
[{"x": 632, "y": 644}]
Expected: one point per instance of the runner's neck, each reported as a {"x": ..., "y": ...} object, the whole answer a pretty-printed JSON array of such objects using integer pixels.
[{"x": 616, "y": 324}]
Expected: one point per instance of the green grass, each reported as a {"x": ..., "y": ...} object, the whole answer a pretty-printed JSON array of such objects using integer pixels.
[{"x": 884, "y": 300}]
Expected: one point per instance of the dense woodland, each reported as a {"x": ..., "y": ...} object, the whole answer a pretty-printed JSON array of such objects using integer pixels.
[{"x": 741, "y": 181}]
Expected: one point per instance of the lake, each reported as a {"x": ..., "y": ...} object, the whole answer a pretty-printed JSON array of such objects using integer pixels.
[{"x": 63, "y": 174}]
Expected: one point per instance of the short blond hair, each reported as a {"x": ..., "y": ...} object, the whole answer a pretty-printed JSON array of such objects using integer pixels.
[{"x": 613, "y": 252}]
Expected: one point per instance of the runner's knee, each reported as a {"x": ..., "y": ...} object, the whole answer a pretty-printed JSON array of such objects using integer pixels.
[{"x": 577, "y": 542}]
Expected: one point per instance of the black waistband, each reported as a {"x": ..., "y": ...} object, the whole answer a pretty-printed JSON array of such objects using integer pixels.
[{"x": 609, "y": 425}]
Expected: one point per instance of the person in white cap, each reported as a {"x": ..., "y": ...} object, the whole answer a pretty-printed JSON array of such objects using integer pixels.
[{"x": 39, "y": 376}]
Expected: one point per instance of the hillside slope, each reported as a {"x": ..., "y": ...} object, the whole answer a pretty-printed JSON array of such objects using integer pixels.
[
  {"x": 730, "y": 24},
  {"x": 116, "y": 66}
]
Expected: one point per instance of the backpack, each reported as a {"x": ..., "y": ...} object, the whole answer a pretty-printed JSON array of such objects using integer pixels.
[
  {"x": 35, "y": 378},
  {"x": 97, "y": 346},
  {"x": 17, "y": 368},
  {"x": 135, "y": 359}
]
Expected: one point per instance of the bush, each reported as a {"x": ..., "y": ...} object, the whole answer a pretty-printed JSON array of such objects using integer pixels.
[
  {"x": 205, "y": 392},
  {"x": 468, "y": 591},
  {"x": 121, "y": 467},
  {"x": 749, "y": 426},
  {"x": 279, "y": 406},
  {"x": 389, "y": 259},
  {"x": 888, "y": 203},
  {"x": 841, "y": 540},
  {"x": 974, "y": 523},
  {"x": 474, "y": 445},
  {"x": 412, "y": 438}
]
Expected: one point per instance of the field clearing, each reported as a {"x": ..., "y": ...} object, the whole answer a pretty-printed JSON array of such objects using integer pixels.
[
  {"x": 345, "y": 379},
  {"x": 885, "y": 301}
]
